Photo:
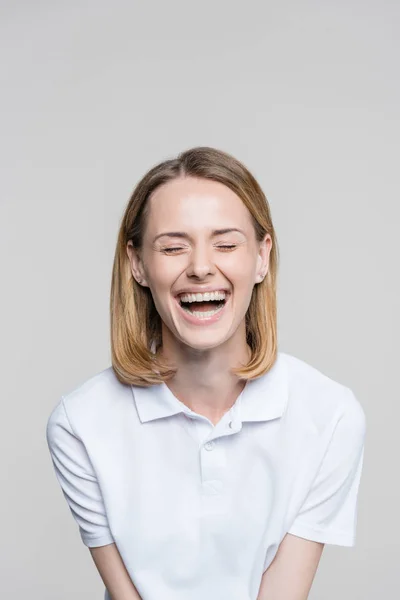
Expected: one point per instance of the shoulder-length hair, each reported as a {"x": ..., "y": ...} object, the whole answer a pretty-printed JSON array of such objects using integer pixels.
[{"x": 135, "y": 323}]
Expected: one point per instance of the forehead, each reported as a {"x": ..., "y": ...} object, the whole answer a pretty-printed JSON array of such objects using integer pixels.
[{"x": 196, "y": 204}]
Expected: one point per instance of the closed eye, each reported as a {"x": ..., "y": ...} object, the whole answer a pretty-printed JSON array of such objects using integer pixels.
[{"x": 172, "y": 250}]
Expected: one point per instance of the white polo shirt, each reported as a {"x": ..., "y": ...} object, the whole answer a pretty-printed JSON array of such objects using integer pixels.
[{"x": 196, "y": 510}]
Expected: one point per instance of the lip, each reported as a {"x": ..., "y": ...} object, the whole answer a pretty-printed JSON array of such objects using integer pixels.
[
  {"x": 202, "y": 322},
  {"x": 202, "y": 290}
]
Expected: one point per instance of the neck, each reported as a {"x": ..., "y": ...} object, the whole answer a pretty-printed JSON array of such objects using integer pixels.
[{"x": 204, "y": 381}]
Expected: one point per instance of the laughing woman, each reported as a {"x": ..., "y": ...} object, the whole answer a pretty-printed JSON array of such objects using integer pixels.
[{"x": 205, "y": 464}]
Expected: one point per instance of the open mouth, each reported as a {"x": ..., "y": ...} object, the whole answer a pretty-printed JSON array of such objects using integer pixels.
[{"x": 204, "y": 306}]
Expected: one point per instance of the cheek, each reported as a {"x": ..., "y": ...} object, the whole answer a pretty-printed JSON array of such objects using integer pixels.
[
  {"x": 240, "y": 269},
  {"x": 242, "y": 276},
  {"x": 163, "y": 272},
  {"x": 162, "y": 276}
]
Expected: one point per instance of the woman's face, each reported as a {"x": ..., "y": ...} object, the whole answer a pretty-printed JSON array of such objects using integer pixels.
[{"x": 183, "y": 253}]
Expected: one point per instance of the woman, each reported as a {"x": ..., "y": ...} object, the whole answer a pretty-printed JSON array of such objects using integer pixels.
[{"x": 205, "y": 464}]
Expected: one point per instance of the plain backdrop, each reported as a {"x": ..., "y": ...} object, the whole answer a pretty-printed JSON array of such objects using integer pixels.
[{"x": 94, "y": 93}]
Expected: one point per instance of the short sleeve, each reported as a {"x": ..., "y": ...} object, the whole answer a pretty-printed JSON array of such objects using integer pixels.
[
  {"x": 77, "y": 479},
  {"x": 329, "y": 512}
]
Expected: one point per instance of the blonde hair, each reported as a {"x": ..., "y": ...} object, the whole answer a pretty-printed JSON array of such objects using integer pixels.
[{"x": 135, "y": 322}]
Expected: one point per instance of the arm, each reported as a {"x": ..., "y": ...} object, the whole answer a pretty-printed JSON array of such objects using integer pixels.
[
  {"x": 328, "y": 514},
  {"x": 78, "y": 480},
  {"x": 113, "y": 572},
  {"x": 291, "y": 573},
  {"x": 289, "y": 577}
]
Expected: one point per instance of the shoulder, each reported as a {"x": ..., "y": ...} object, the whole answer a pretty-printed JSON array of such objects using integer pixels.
[
  {"x": 92, "y": 404},
  {"x": 319, "y": 399}
]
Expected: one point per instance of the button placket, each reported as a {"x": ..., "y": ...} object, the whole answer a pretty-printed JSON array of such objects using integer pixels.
[{"x": 213, "y": 462}]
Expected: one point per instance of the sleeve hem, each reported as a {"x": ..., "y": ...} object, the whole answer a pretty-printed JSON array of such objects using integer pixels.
[
  {"x": 93, "y": 541},
  {"x": 339, "y": 538}
]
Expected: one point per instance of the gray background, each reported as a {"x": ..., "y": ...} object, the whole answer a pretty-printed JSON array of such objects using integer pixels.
[{"x": 307, "y": 95}]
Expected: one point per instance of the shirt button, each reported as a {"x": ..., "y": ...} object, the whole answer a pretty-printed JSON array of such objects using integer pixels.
[{"x": 209, "y": 445}]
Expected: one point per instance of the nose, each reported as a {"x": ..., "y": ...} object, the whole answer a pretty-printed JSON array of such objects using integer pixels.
[{"x": 201, "y": 263}]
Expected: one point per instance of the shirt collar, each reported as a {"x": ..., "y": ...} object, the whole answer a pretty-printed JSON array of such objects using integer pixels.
[{"x": 261, "y": 399}]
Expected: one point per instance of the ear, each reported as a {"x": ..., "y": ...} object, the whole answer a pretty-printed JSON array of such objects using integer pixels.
[
  {"x": 263, "y": 258},
  {"x": 136, "y": 264}
]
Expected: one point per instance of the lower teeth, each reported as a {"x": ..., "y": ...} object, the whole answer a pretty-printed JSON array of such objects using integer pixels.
[{"x": 203, "y": 314}]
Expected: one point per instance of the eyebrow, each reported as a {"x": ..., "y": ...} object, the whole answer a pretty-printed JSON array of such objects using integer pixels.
[{"x": 182, "y": 234}]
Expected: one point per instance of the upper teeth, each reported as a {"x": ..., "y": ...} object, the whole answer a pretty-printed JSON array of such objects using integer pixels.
[{"x": 202, "y": 297}]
